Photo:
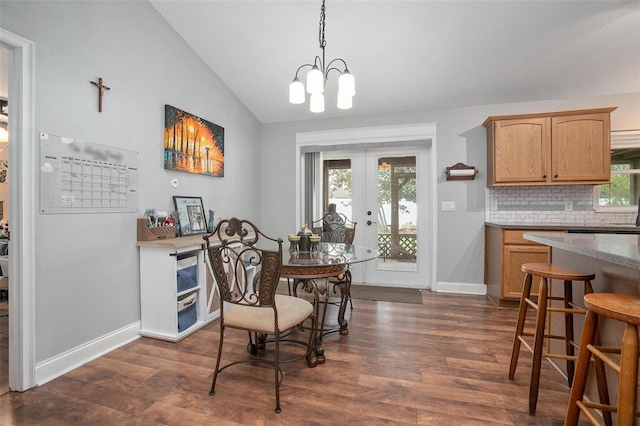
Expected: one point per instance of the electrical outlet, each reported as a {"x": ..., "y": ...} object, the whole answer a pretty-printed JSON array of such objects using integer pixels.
[
  {"x": 568, "y": 206},
  {"x": 494, "y": 204},
  {"x": 448, "y": 206}
]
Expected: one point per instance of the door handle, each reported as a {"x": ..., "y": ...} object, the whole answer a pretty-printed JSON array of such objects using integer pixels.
[{"x": 370, "y": 222}]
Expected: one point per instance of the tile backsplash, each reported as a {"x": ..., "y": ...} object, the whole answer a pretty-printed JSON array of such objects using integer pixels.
[{"x": 548, "y": 204}]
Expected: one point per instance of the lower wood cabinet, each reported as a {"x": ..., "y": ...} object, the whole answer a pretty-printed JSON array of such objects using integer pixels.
[{"x": 505, "y": 252}]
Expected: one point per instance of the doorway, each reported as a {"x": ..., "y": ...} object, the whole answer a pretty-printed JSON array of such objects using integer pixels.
[
  {"x": 382, "y": 190},
  {"x": 4, "y": 206},
  {"x": 22, "y": 209}
]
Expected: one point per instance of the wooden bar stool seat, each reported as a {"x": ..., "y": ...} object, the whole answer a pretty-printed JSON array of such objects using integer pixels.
[
  {"x": 545, "y": 304},
  {"x": 619, "y": 307}
]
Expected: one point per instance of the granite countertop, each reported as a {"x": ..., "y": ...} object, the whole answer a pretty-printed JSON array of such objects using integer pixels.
[
  {"x": 618, "y": 249},
  {"x": 579, "y": 227}
]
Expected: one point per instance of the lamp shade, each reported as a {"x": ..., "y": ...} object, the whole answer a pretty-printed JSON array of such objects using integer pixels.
[
  {"x": 345, "y": 101},
  {"x": 315, "y": 80},
  {"x": 296, "y": 92},
  {"x": 346, "y": 83},
  {"x": 316, "y": 103}
]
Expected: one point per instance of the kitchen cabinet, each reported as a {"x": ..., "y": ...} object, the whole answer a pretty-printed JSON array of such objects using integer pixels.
[
  {"x": 505, "y": 252},
  {"x": 556, "y": 148}
]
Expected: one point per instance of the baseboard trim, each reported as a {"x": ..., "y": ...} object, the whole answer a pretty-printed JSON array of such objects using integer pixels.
[
  {"x": 461, "y": 288},
  {"x": 60, "y": 364}
]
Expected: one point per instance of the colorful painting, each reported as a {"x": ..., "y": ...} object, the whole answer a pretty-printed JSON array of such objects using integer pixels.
[{"x": 192, "y": 144}]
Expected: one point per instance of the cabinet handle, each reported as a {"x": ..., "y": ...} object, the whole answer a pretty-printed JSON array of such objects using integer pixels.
[
  {"x": 544, "y": 176},
  {"x": 555, "y": 176}
]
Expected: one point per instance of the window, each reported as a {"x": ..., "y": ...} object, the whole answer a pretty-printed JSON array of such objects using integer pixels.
[
  {"x": 623, "y": 191},
  {"x": 337, "y": 186}
]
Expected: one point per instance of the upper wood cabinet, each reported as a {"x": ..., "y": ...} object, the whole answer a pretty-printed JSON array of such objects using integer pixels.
[{"x": 555, "y": 148}]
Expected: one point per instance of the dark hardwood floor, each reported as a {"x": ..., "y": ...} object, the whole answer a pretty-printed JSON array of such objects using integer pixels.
[{"x": 441, "y": 363}]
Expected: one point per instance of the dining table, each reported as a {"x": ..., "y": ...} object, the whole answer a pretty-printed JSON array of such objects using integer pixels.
[{"x": 312, "y": 271}]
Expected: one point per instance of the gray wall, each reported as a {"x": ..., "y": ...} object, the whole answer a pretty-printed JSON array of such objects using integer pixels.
[
  {"x": 87, "y": 273},
  {"x": 460, "y": 138}
]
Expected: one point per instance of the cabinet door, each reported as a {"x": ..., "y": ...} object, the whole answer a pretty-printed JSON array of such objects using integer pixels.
[
  {"x": 514, "y": 256},
  {"x": 580, "y": 148},
  {"x": 521, "y": 150}
]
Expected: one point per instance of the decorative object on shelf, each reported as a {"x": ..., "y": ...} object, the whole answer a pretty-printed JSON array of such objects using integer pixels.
[
  {"x": 191, "y": 215},
  {"x": 192, "y": 144},
  {"x": 461, "y": 171},
  {"x": 101, "y": 88},
  {"x": 318, "y": 77},
  {"x": 150, "y": 233}
]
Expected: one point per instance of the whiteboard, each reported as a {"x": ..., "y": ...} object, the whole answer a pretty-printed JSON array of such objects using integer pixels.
[{"x": 83, "y": 177}]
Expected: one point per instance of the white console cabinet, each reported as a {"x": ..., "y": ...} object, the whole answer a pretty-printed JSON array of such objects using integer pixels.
[{"x": 172, "y": 271}]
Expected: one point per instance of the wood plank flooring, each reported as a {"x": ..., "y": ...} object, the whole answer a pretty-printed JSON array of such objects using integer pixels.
[{"x": 441, "y": 363}]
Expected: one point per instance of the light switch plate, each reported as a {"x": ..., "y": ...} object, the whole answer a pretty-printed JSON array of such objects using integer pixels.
[{"x": 448, "y": 206}]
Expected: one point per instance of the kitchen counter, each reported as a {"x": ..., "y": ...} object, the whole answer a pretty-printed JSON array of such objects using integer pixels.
[
  {"x": 572, "y": 227},
  {"x": 619, "y": 249},
  {"x": 614, "y": 259}
]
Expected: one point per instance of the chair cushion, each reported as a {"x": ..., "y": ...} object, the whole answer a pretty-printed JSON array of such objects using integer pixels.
[{"x": 291, "y": 312}]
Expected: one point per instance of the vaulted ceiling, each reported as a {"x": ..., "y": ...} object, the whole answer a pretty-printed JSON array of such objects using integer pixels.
[{"x": 415, "y": 55}]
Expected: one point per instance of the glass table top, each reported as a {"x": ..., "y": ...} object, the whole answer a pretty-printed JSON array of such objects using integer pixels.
[{"x": 324, "y": 253}]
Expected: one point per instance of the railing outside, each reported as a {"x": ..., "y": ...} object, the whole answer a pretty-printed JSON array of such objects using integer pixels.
[{"x": 405, "y": 249}]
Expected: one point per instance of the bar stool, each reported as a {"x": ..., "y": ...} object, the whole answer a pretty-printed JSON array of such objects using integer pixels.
[
  {"x": 623, "y": 308},
  {"x": 543, "y": 305}
]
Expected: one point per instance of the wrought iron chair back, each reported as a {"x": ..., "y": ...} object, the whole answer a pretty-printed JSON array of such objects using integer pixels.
[
  {"x": 244, "y": 272},
  {"x": 335, "y": 228}
]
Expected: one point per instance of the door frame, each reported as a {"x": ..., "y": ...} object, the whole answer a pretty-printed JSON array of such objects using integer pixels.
[
  {"x": 376, "y": 137},
  {"x": 364, "y": 184},
  {"x": 22, "y": 208}
]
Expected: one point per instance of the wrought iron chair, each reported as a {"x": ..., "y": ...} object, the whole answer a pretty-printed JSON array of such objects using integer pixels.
[
  {"x": 246, "y": 265},
  {"x": 335, "y": 227}
]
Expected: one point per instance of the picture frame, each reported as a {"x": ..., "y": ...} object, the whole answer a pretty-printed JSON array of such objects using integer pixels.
[
  {"x": 192, "y": 144},
  {"x": 191, "y": 215}
]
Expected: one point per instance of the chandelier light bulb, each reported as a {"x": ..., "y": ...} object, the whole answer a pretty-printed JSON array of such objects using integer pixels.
[
  {"x": 345, "y": 101},
  {"x": 315, "y": 80},
  {"x": 296, "y": 92},
  {"x": 346, "y": 83},
  {"x": 316, "y": 103}
]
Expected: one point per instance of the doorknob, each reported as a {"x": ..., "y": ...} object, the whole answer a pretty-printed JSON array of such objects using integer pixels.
[
  {"x": 369, "y": 222},
  {"x": 368, "y": 212}
]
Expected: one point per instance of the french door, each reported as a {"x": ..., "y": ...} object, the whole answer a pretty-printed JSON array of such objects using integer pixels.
[{"x": 385, "y": 191}]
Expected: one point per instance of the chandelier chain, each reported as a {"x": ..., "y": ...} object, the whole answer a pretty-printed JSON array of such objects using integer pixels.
[{"x": 323, "y": 43}]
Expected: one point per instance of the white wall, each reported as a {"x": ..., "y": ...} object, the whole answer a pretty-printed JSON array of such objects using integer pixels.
[
  {"x": 87, "y": 274},
  {"x": 461, "y": 138}
]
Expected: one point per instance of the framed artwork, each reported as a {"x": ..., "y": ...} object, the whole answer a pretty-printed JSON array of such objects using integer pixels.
[
  {"x": 190, "y": 215},
  {"x": 192, "y": 144}
]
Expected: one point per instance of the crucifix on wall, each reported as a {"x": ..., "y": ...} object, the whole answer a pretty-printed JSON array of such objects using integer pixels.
[{"x": 101, "y": 88}]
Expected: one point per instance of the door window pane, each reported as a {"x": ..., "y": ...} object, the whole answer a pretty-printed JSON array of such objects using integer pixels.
[
  {"x": 337, "y": 184},
  {"x": 397, "y": 212}
]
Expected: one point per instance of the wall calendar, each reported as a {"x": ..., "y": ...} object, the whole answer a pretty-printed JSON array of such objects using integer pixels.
[{"x": 83, "y": 177}]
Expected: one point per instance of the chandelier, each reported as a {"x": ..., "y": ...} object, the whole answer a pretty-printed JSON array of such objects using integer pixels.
[{"x": 318, "y": 76}]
